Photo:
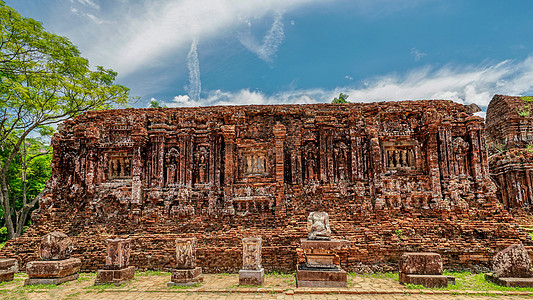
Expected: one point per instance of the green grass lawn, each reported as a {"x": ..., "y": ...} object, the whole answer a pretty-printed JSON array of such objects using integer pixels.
[{"x": 464, "y": 281}]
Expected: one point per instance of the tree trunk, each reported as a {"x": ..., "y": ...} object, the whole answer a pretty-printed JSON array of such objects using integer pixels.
[{"x": 4, "y": 198}]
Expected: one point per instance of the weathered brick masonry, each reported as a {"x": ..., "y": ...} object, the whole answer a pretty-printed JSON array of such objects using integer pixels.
[
  {"x": 510, "y": 144},
  {"x": 393, "y": 176}
]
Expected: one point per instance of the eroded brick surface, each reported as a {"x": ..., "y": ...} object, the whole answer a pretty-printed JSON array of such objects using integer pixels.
[{"x": 394, "y": 177}]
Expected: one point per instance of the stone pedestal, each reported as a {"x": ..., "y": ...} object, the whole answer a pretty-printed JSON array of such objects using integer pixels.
[
  {"x": 321, "y": 265},
  {"x": 186, "y": 277},
  {"x": 252, "y": 277},
  {"x": 52, "y": 271},
  {"x": 252, "y": 273},
  {"x": 512, "y": 267},
  {"x": 423, "y": 268},
  {"x": 117, "y": 277},
  {"x": 186, "y": 272},
  {"x": 509, "y": 281},
  {"x": 117, "y": 269},
  {"x": 8, "y": 268}
]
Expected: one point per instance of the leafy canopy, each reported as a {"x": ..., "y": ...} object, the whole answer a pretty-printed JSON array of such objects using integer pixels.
[
  {"x": 341, "y": 99},
  {"x": 43, "y": 81}
]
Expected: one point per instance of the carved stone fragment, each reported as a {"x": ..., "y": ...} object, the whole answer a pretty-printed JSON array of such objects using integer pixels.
[
  {"x": 55, "y": 246},
  {"x": 251, "y": 253},
  {"x": 186, "y": 253},
  {"x": 513, "y": 261},
  {"x": 318, "y": 226},
  {"x": 118, "y": 253},
  {"x": 252, "y": 273}
]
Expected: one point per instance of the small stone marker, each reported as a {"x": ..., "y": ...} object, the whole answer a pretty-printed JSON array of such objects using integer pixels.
[
  {"x": 186, "y": 272},
  {"x": 117, "y": 269},
  {"x": 252, "y": 273},
  {"x": 8, "y": 268},
  {"x": 56, "y": 265},
  {"x": 423, "y": 268},
  {"x": 512, "y": 267}
]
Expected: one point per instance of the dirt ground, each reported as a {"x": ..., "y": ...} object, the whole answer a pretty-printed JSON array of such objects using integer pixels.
[{"x": 225, "y": 286}]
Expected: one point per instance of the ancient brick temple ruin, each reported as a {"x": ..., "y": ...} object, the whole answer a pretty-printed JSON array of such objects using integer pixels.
[
  {"x": 510, "y": 143},
  {"x": 393, "y": 177}
]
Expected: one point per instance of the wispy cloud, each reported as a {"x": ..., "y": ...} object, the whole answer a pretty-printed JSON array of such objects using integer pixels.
[
  {"x": 92, "y": 17},
  {"x": 272, "y": 40},
  {"x": 149, "y": 32},
  {"x": 89, "y": 3},
  {"x": 193, "y": 64},
  {"x": 473, "y": 84},
  {"x": 417, "y": 54}
]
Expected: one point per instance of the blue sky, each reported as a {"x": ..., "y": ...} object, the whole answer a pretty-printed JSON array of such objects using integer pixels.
[{"x": 206, "y": 52}]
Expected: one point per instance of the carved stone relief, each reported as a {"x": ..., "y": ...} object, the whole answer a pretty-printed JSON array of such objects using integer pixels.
[
  {"x": 251, "y": 253},
  {"x": 186, "y": 253}
]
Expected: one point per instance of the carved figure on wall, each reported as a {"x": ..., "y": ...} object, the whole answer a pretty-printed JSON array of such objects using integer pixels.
[
  {"x": 341, "y": 161},
  {"x": 172, "y": 165},
  {"x": 318, "y": 226},
  {"x": 201, "y": 158},
  {"x": 310, "y": 162},
  {"x": 460, "y": 150}
]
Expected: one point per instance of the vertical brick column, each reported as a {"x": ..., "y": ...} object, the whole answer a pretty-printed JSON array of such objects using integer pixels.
[
  {"x": 433, "y": 166},
  {"x": 279, "y": 141},
  {"x": 228, "y": 132}
]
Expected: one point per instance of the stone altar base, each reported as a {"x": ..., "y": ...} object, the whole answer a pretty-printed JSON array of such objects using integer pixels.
[
  {"x": 430, "y": 281},
  {"x": 186, "y": 277},
  {"x": 52, "y": 271},
  {"x": 316, "y": 277},
  {"x": 8, "y": 268},
  {"x": 116, "y": 277},
  {"x": 252, "y": 277},
  {"x": 510, "y": 281}
]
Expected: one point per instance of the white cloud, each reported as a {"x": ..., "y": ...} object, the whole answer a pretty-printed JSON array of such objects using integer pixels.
[
  {"x": 271, "y": 41},
  {"x": 193, "y": 64},
  {"x": 348, "y": 77},
  {"x": 463, "y": 85},
  {"x": 144, "y": 34}
]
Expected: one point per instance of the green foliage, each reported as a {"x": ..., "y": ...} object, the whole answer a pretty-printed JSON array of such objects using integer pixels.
[
  {"x": 155, "y": 104},
  {"x": 500, "y": 148},
  {"x": 527, "y": 99},
  {"x": 43, "y": 81},
  {"x": 2, "y": 244},
  {"x": 152, "y": 273},
  {"x": 399, "y": 233},
  {"x": 183, "y": 287},
  {"x": 341, "y": 99},
  {"x": 524, "y": 111}
]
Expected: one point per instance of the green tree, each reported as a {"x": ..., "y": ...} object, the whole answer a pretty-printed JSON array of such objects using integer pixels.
[
  {"x": 155, "y": 104},
  {"x": 341, "y": 99},
  {"x": 44, "y": 81}
]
